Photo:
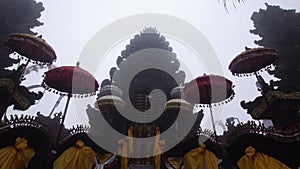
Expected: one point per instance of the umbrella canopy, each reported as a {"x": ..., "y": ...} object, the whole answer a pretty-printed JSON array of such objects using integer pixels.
[
  {"x": 252, "y": 60},
  {"x": 71, "y": 80},
  {"x": 208, "y": 89},
  {"x": 32, "y": 47}
]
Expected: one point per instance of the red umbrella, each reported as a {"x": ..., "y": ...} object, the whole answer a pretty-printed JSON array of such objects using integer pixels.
[
  {"x": 252, "y": 60},
  {"x": 208, "y": 89},
  {"x": 32, "y": 47},
  {"x": 70, "y": 81}
]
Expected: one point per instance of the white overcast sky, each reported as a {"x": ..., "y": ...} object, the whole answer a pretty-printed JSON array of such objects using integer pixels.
[{"x": 68, "y": 26}]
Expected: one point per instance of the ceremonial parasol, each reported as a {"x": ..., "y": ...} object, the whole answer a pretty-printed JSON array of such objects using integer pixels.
[
  {"x": 34, "y": 48},
  {"x": 208, "y": 90},
  {"x": 252, "y": 60},
  {"x": 71, "y": 81}
]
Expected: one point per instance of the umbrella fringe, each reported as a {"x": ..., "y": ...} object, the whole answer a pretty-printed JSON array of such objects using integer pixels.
[
  {"x": 216, "y": 104},
  {"x": 33, "y": 61},
  {"x": 267, "y": 68},
  {"x": 74, "y": 95},
  {"x": 14, "y": 45}
]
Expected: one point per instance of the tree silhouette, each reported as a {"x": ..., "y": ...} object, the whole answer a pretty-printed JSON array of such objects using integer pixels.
[
  {"x": 280, "y": 29},
  {"x": 16, "y": 16}
]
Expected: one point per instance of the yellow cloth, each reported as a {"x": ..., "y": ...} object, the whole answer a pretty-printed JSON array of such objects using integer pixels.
[
  {"x": 17, "y": 156},
  {"x": 200, "y": 157},
  {"x": 11, "y": 88},
  {"x": 123, "y": 147},
  {"x": 175, "y": 162},
  {"x": 130, "y": 139},
  {"x": 158, "y": 144},
  {"x": 253, "y": 159},
  {"x": 126, "y": 148},
  {"x": 76, "y": 157},
  {"x": 102, "y": 158}
]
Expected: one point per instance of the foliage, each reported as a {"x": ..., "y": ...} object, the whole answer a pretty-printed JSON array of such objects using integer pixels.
[
  {"x": 233, "y": 2},
  {"x": 17, "y": 16},
  {"x": 280, "y": 29}
]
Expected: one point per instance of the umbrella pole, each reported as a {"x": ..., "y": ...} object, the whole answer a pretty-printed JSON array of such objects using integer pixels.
[
  {"x": 215, "y": 133},
  {"x": 27, "y": 63},
  {"x": 56, "y": 104},
  {"x": 63, "y": 120},
  {"x": 21, "y": 71},
  {"x": 25, "y": 66},
  {"x": 213, "y": 121}
]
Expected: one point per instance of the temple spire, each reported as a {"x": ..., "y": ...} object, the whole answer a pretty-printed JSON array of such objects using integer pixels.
[{"x": 150, "y": 30}]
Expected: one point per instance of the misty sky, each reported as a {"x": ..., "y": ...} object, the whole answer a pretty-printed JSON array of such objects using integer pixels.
[{"x": 68, "y": 26}]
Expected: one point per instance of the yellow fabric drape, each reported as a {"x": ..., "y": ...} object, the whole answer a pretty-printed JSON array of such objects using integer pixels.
[
  {"x": 123, "y": 147},
  {"x": 126, "y": 148},
  {"x": 253, "y": 159},
  {"x": 76, "y": 157},
  {"x": 11, "y": 88},
  {"x": 175, "y": 162},
  {"x": 17, "y": 156},
  {"x": 199, "y": 158},
  {"x": 102, "y": 158},
  {"x": 130, "y": 139},
  {"x": 158, "y": 144}
]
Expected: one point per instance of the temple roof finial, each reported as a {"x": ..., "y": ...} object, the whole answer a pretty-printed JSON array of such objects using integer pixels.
[{"x": 150, "y": 30}]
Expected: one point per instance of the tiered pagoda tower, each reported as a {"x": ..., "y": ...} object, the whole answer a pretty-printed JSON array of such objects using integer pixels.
[{"x": 145, "y": 50}]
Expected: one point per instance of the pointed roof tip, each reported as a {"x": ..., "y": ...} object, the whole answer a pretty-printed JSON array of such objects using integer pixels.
[
  {"x": 150, "y": 29},
  {"x": 247, "y": 48}
]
